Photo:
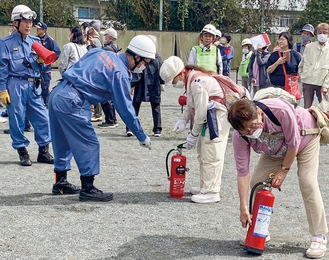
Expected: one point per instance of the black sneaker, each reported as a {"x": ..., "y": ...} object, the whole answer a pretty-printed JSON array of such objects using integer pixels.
[
  {"x": 95, "y": 194},
  {"x": 24, "y": 157},
  {"x": 63, "y": 187},
  {"x": 106, "y": 125}
]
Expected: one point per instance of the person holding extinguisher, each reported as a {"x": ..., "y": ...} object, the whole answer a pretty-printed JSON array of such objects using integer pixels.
[
  {"x": 277, "y": 138},
  {"x": 210, "y": 129}
]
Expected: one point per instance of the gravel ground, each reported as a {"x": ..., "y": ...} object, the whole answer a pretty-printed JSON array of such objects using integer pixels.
[{"x": 142, "y": 222}]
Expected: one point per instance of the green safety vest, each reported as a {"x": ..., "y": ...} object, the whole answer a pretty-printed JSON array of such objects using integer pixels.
[
  {"x": 207, "y": 59},
  {"x": 243, "y": 69}
]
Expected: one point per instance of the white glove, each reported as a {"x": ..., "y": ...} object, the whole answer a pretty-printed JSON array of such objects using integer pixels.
[
  {"x": 146, "y": 143},
  {"x": 180, "y": 126},
  {"x": 191, "y": 141}
]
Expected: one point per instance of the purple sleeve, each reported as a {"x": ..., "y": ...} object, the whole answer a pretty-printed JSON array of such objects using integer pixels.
[{"x": 241, "y": 154}]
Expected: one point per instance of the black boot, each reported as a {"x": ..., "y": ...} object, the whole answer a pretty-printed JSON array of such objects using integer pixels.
[
  {"x": 89, "y": 192},
  {"x": 44, "y": 156},
  {"x": 62, "y": 186},
  {"x": 24, "y": 157}
]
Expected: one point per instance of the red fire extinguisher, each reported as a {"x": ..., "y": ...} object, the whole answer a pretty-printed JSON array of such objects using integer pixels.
[
  {"x": 261, "y": 216},
  {"x": 177, "y": 173}
]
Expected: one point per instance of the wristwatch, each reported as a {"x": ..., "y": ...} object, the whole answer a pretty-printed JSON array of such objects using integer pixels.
[{"x": 284, "y": 168}]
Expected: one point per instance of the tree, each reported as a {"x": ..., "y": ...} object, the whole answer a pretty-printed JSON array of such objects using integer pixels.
[
  {"x": 51, "y": 11},
  {"x": 316, "y": 12}
]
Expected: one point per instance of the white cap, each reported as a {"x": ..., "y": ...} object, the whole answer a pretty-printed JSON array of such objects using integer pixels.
[
  {"x": 170, "y": 68},
  {"x": 246, "y": 41},
  {"x": 110, "y": 31},
  {"x": 142, "y": 46}
]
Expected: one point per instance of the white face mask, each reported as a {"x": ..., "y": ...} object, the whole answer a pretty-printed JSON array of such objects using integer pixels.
[
  {"x": 140, "y": 69},
  {"x": 245, "y": 51},
  {"x": 179, "y": 84},
  {"x": 322, "y": 37},
  {"x": 256, "y": 134}
]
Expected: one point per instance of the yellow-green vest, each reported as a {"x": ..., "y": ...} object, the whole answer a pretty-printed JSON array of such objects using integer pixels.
[
  {"x": 243, "y": 68},
  {"x": 207, "y": 59}
]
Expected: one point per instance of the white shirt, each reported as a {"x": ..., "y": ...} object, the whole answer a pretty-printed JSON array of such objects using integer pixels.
[{"x": 71, "y": 53}]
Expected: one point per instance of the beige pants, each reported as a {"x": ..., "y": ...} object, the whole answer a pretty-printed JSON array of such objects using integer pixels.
[
  {"x": 211, "y": 155},
  {"x": 308, "y": 166}
]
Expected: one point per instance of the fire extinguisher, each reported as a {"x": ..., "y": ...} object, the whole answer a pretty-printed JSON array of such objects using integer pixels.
[
  {"x": 177, "y": 173},
  {"x": 261, "y": 216}
]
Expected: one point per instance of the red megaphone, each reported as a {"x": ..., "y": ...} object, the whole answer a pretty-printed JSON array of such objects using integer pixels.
[{"x": 48, "y": 56}]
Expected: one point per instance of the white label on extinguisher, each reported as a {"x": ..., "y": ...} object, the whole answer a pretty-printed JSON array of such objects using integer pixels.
[{"x": 263, "y": 221}]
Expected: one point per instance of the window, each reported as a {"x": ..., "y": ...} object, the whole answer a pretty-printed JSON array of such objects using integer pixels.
[
  {"x": 287, "y": 21},
  {"x": 88, "y": 13}
]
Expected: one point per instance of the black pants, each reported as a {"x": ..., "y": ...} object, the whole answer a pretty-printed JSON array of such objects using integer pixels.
[
  {"x": 109, "y": 112},
  {"x": 156, "y": 114}
]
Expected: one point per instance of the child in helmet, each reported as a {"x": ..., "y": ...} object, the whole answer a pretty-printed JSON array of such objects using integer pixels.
[{"x": 243, "y": 68}]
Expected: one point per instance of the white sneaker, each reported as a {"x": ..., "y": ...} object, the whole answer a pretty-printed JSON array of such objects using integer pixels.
[
  {"x": 206, "y": 198},
  {"x": 2, "y": 119},
  {"x": 195, "y": 190},
  {"x": 317, "y": 248}
]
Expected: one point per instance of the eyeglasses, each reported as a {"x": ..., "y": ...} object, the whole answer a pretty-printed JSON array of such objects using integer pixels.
[{"x": 250, "y": 129}]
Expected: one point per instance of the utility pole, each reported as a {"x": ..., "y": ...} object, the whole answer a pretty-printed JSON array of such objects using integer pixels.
[
  {"x": 262, "y": 18},
  {"x": 161, "y": 15},
  {"x": 41, "y": 10}
]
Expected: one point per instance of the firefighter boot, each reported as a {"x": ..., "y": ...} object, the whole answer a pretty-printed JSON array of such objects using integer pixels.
[
  {"x": 44, "y": 156},
  {"x": 89, "y": 192},
  {"x": 62, "y": 186},
  {"x": 24, "y": 157}
]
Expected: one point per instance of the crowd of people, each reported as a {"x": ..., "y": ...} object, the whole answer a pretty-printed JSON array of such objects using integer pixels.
[{"x": 118, "y": 82}]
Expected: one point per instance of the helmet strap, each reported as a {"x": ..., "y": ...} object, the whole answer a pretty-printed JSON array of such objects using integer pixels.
[{"x": 136, "y": 62}]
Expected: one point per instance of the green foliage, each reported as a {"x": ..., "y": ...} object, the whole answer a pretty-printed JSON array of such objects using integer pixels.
[
  {"x": 316, "y": 12},
  {"x": 51, "y": 11}
]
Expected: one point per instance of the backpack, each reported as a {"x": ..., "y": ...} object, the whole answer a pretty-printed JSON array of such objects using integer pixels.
[
  {"x": 322, "y": 119},
  {"x": 273, "y": 92},
  {"x": 232, "y": 91},
  {"x": 322, "y": 123}
]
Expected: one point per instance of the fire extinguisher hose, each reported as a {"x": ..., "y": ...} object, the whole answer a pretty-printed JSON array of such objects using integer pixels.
[
  {"x": 167, "y": 157},
  {"x": 252, "y": 194}
]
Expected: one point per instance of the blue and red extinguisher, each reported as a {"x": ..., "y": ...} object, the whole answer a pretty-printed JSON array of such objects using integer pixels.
[
  {"x": 177, "y": 172},
  {"x": 261, "y": 216}
]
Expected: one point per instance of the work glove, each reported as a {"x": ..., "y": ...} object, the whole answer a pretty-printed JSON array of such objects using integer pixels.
[
  {"x": 146, "y": 143},
  {"x": 180, "y": 126},
  {"x": 191, "y": 141},
  {"x": 40, "y": 60},
  {"x": 5, "y": 98}
]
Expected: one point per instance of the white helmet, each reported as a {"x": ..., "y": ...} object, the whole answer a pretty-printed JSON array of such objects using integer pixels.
[
  {"x": 22, "y": 12},
  {"x": 209, "y": 28},
  {"x": 110, "y": 31},
  {"x": 246, "y": 41},
  {"x": 218, "y": 33},
  {"x": 142, "y": 46},
  {"x": 170, "y": 68}
]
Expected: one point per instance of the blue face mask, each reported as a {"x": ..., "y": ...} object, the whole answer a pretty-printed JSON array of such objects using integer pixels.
[{"x": 306, "y": 38}]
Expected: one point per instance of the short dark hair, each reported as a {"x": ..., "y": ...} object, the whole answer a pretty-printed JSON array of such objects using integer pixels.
[
  {"x": 84, "y": 25},
  {"x": 288, "y": 36},
  {"x": 227, "y": 36},
  {"x": 77, "y": 35}
]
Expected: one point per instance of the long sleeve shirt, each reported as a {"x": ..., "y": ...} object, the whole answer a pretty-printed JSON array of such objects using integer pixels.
[
  {"x": 71, "y": 53},
  {"x": 275, "y": 140},
  {"x": 314, "y": 66},
  {"x": 198, "y": 92}
]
